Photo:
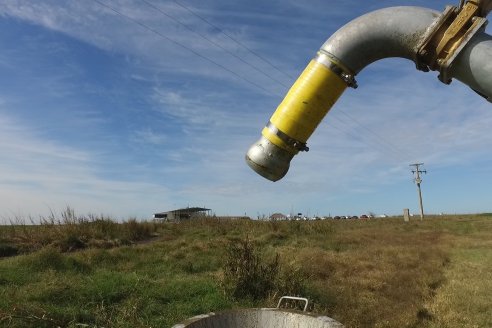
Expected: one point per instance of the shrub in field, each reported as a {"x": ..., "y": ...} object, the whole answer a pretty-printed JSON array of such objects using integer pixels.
[
  {"x": 248, "y": 274},
  {"x": 70, "y": 243},
  {"x": 135, "y": 231},
  {"x": 103, "y": 228},
  {"x": 8, "y": 250},
  {"x": 292, "y": 281}
]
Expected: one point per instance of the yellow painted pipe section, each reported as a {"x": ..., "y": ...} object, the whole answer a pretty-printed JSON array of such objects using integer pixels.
[{"x": 306, "y": 104}]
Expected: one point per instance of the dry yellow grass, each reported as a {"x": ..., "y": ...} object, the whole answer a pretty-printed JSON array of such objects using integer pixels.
[
  {"x": 379, "y": 273},
  {"x": 465, "y": 300},
  {"x": 375, "y": 275}
]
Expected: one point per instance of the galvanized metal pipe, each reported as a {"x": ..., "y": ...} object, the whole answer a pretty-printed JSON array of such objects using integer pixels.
[
  {"x": 384, "y": 33},
  {"x": 389, "y": 32},
  {"x": 473, "y": 66}
]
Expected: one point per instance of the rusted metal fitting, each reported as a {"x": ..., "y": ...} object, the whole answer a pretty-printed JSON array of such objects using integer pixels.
[{"x": 450, "y": 34}]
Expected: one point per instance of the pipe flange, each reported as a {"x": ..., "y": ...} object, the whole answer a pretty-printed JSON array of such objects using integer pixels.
[
  {"x": 446, "y": 64},
  {"x": 447, "y": 37}
]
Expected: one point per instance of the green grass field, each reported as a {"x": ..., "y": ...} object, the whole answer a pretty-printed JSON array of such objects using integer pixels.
[{"x": 364, "y": 273}]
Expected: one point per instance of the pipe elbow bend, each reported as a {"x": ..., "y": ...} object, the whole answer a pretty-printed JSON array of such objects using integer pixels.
[
  {"x": 384, "y": 33},
  {"x": 390, "y": 32}
]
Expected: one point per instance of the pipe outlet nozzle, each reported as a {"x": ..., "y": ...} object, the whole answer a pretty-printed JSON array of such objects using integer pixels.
[
  {"x": 268, "y": 160},
  {"x": 297, "y": 116}
]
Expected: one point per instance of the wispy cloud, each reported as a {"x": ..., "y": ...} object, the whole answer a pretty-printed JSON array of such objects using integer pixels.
[
  {"x": 101, "y": 111},
  {"x": 148, "y": 136},
  {"x": 38, "y": 173},
  {"x": 142, "y": 31}
]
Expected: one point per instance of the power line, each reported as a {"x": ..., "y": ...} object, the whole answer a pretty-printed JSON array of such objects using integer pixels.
[
  {"x": 367, "y": 129},
  {"x": 233, "y": 39},
  {"x": 380, "y": 139},
  {"x": 390, "y": 152},
  {"x": 145, "y": 26},
  {"x": 213, "y": 42}
]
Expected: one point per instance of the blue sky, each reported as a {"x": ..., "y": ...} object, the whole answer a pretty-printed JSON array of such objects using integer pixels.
[{"x": 155, "y": 111}]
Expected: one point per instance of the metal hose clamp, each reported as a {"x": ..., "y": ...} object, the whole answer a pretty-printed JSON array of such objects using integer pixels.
[
  {"x": 336, "y": 67},
  {"x": 294, "y": 143}
]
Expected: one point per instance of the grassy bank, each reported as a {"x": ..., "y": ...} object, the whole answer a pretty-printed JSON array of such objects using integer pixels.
[
  {"x": 68, "y": 232},
  {"x": 379, "y": 273},
  {"x": 466, "y": 297}
]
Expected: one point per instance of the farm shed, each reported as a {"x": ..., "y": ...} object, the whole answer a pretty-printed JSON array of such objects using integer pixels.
[{"x": 183, "y": 214}]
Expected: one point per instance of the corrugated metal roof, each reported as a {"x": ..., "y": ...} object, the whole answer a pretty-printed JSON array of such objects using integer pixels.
[{"x": 186, "y": 210}]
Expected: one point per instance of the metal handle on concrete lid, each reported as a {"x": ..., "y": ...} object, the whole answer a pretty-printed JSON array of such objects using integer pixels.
[{"x": 295, "y": 299}]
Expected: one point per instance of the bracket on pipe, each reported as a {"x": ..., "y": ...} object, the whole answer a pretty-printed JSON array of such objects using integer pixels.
[{"x": 450, "y": 34}]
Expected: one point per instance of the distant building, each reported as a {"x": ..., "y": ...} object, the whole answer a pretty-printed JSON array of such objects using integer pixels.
[
  {"x": 183, "y": 214},
  {"x": 278, "y": 217}
]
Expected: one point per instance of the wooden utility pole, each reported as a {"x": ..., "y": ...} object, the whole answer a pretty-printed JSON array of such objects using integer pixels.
[{"x": 418, "y": 181}]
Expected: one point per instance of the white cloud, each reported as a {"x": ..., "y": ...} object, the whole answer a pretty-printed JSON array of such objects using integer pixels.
[
  {"x": 164, "y": 45},
  {"x": 204, "y": 118},
  {"x": 39, "y": 175},
  {"x": 148, "y": 136}
]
